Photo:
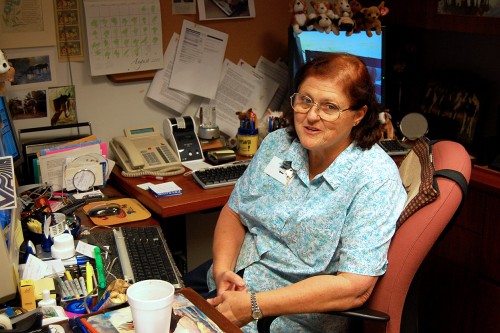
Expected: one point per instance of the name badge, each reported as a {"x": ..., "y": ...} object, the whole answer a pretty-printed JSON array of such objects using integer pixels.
[{"x": 279, "y": 170}]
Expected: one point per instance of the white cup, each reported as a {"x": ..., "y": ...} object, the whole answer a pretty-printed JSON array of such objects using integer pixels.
[{"x": 151, "y": 305}]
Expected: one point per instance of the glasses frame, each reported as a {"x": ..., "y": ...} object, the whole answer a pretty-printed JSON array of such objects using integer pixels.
[{"x": 320, "y": 113}]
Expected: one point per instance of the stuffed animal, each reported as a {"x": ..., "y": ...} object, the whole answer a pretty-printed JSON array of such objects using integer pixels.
[
  {"x": 323, "y": 16},
  {"x": 345, "y": 22},
  {"x": 6, "y": 72},
  {"x": 357, "y": 16},
  {"x": 298, "y": 21},
  {"x": 387, "y": 128},
  {"x": 371, "y": 20}
]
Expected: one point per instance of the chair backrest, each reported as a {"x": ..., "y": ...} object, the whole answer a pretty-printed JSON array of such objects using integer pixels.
[{"x": 414, "y": 239}]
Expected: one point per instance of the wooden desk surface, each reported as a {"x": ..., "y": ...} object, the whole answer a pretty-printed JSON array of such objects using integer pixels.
[{"x": 193, "y": 199}]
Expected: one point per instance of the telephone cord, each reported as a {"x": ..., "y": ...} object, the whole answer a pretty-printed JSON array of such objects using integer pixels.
[{"x": 169, "y": 171}]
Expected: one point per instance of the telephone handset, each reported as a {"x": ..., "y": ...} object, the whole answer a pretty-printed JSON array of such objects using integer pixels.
[{"x": 143, "y": 151}]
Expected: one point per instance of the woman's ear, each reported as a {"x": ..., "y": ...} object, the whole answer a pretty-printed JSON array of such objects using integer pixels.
[{"x": 360, "y": 114}]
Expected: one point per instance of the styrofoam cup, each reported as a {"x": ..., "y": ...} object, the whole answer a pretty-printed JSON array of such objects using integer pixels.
[{"x": 151, "y": 305}]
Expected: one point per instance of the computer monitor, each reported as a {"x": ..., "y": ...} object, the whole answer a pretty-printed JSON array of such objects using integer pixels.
[
  {"x": 309, "y": 44},
  {"x": 9, "y": 144}
]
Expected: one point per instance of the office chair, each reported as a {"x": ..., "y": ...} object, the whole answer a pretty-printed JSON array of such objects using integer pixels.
[{"x": 409, "y": 246}]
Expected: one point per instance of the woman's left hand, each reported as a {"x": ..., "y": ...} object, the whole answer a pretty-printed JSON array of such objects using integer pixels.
[{"x": 235, "y": 306}]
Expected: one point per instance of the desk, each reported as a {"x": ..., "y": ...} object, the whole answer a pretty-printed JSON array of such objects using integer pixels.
[{"x": 193, "y": 199}]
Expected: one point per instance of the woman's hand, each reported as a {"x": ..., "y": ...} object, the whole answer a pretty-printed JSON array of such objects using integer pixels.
[
  {"x": 235, "y": 306},
  {"x": 228, "y": 280}
]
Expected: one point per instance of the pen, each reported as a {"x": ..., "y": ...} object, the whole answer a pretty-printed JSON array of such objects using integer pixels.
[
  {"x": 153, "y": 177},
  {"x": 101, "y": 278},
  {"x": 74, "y": 326},
  {"x": 80, "y": 325},
  {"x": 75, "y": 261}
]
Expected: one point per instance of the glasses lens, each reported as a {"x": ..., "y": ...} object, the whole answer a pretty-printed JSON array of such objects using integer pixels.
[{"x": 327, "y": 110}]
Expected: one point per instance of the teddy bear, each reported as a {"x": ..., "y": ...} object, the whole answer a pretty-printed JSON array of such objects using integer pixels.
[
  {"x": 323, "y": 17},
  {"x": 6, "y": 72},
  {"x": 298, "y": 21},
  {"x": 371, "y": 20}
]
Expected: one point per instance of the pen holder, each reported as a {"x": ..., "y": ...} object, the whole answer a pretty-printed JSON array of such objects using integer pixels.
[{"x": 248, "y": 141}]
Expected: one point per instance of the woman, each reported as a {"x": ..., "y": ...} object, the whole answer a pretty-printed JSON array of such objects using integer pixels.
[{"x": 309, "y": 223}]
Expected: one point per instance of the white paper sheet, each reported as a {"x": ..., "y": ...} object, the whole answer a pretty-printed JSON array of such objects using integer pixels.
[
  {"x": 159, "y": 90},
  {"x": 198, "y": 61},
  {"x": 278, "y": 73},
  {"x": 266, "y": 90},
  {"x": 236, "y": 92}
]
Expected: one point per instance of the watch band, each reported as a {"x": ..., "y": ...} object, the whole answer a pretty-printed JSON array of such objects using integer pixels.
[{"x": 256, "y": 313}]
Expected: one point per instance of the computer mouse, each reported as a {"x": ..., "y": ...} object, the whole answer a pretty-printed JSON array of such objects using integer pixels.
[{"x": 104, "y": 210}]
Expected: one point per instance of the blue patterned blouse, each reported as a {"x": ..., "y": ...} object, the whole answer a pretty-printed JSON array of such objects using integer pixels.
[{"x": 341, "y": 221}]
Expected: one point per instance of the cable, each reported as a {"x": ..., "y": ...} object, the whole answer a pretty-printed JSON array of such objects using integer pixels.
[{"x": 168, "y": 171}]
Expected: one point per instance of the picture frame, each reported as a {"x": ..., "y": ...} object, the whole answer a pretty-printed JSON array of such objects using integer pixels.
[{"x": 39, "y": 32}]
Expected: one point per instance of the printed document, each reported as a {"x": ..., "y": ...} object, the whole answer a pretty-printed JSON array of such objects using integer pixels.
[
  {"x": 237, "y": 91},
  {"x": 278, "y": 73},
  {"x": 198, "y": 60},
  {"x": 159, "y": 90}
]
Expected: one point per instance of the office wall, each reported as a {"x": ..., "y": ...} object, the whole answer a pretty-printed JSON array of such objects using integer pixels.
[{"x": 110, "y": 107}]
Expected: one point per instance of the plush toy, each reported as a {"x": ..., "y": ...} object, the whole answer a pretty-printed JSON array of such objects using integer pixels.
[
  {"x": 298, "y": 8},
  {"x": 387, "y": 128},
  {"x": 345, "y": 22},
  {"x": 371, "y": 20},
  {"x": 6, "y": 72},
  {"x": 323, "y": 16},
  {"x": 357, "y": 16}
]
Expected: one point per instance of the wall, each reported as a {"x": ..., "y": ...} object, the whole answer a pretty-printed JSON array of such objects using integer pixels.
[{"x": 110, "y": 107}]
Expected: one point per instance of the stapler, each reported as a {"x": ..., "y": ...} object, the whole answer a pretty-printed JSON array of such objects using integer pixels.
[{"x": 220, "y": 156}]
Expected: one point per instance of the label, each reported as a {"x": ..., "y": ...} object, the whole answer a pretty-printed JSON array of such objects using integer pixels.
[{"x": 247, "y": 144}]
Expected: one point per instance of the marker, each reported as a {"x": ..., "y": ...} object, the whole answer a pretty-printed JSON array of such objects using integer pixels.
[
  {"x": 75, "y": 261},
  {"x": 101, "y": 277},
  {"x": 68, "y": 276},
  {"x": 153, "y": 177},
  {"x": 89, "y": 271},
  {"x": 82, "y": 285},
  {"x": 71, "y": 288}
]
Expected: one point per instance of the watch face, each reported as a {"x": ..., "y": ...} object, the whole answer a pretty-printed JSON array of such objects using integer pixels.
[{"x": 256, "y": 314}]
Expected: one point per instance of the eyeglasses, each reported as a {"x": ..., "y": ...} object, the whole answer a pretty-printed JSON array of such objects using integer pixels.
[{"x": 328, "y": 111}]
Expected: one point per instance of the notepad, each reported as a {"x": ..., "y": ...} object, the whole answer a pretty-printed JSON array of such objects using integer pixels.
[{"x": 165, "y": 189}]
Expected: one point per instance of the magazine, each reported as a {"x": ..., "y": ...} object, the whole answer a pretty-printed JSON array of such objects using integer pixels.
[{"x": 186, "y": 318}]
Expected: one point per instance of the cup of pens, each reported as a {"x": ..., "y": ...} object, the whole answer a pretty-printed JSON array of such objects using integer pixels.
[{"x": 248, "y": 134}]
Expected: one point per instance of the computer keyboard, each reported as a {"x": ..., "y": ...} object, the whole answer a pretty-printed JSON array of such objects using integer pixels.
[
  {"x": 144, "y": 254},
  {"x": 393, "y": 147},
  {"x": 220, "y": 175}
]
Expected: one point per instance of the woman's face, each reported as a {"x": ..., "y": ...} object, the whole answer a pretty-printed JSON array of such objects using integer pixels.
[{"x": 327, "y": 138}]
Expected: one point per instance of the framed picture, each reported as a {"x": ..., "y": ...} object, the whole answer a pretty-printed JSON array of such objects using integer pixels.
[
  {"x": 27, "y": 24},
  {"x": 35, "y": 68},
  {"x": 226, "y": 9}
]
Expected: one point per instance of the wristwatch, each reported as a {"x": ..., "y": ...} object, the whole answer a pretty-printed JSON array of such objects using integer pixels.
[{"x": 256, "y": 313}]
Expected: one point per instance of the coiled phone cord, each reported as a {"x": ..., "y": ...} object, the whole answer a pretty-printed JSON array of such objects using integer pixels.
[{"x": 169, "y": 171}]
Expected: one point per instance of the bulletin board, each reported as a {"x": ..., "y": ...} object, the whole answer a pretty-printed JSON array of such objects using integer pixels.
[{"x": 249, "y": 38}]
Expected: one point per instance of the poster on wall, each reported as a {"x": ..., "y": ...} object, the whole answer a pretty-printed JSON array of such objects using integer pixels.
[
  {"x": 34, "y": 68},
  {"x": 489, "y": 8},
  {"x": 69, "y": 30},
  {"x": 123, "y": 36},
  {"x": 62, "y": 105},
  {"x": 26, "y": 23}
]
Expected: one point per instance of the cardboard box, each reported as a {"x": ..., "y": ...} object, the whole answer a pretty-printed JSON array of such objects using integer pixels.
[{"x": 27, "y": 293}]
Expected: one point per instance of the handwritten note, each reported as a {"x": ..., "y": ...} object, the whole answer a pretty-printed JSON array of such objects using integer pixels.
[{"x": 123, "y": 36}]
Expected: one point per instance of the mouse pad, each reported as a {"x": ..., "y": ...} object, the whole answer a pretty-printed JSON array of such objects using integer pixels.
[{"x": 131, "y": 211}]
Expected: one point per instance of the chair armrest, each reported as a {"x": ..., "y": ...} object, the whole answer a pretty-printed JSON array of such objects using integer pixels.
[{"x": 264, "y": 324}]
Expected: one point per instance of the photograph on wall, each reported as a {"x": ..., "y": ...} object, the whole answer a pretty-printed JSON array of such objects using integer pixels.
[
  {"x": 226, "y": 9},
  {"x": 27, "y": 104},
  {"x": 489, "y": 8},
  {"x": 32, "y": 69},
  {"x": 183, "y": 7},
  {"x": 69, "y": 31},
  {"x": 26, "y": 23},
  {"x": 62, "y": 105}
]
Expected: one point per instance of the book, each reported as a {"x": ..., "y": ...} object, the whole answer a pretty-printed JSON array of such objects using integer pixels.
[
  {"x": 186, "y": 317},
  {"x": 165, "y": 189}
]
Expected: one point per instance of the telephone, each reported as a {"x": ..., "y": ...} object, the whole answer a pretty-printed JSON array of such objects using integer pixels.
[{"x": 144, "y": 152}]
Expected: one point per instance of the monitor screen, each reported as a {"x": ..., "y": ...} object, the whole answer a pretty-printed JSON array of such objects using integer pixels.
[
  {"x": 9, "y": 145},
  {"x": 309, "y": 44}
]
